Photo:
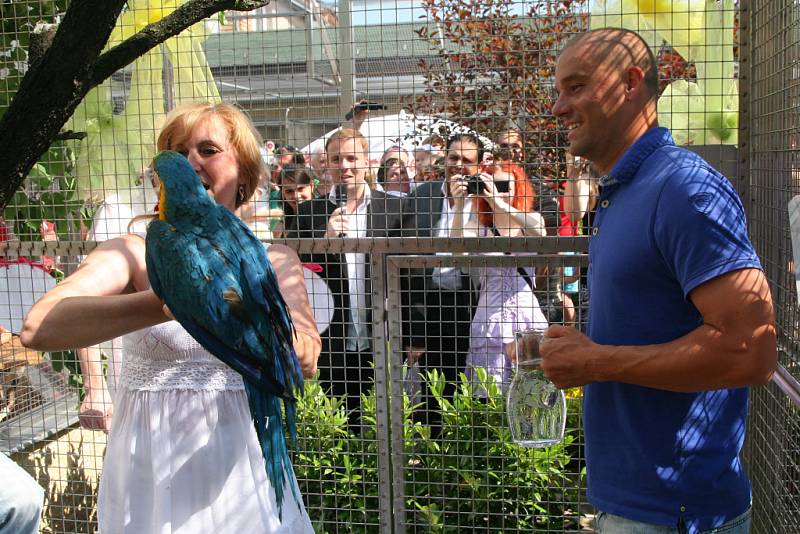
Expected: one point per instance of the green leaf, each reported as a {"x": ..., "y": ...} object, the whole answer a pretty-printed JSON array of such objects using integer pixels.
[
  {"x": 40, "y": 177},
  {"x": 19, "y": 200}
]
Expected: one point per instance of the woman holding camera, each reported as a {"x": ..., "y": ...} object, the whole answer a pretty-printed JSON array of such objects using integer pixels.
[{"x": 504, "y": 207}]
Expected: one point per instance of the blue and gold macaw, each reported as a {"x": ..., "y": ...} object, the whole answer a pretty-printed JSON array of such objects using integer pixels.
[{"x": 216, "y": 279}]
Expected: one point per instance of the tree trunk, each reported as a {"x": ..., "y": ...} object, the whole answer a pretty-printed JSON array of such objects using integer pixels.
[{"x": 55, "y": 85}]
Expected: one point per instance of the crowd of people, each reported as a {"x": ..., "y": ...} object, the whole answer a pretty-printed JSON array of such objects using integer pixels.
[
  {"x": 454, "y": 319},
  {"x": 679, "y": 321}
]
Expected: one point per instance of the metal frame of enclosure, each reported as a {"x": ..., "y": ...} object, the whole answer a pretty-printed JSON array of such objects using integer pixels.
[{"x": 296, "y": 69}]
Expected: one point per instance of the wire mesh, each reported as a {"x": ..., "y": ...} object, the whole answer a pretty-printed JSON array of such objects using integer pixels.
[
  {"x": 774, "y": 37},
  {"x": 391, "y": 436}
]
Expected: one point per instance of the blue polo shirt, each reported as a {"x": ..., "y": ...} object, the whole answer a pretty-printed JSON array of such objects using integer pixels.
[{"x": 666, "y": 223}]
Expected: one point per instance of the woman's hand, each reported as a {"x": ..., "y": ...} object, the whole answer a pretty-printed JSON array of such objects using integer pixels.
[
  {"x": 307, "y": 343},
  {"x": 307, "y": 347},
  {"x": 167, "y": 312},
  {"x": 495, "y": 198},
  {"x": 96, "y": 410}
]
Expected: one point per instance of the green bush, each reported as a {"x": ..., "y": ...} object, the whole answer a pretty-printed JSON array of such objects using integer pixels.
[
  {"x": 469, "y": 478},
  {"x": 337, "y": 470}
]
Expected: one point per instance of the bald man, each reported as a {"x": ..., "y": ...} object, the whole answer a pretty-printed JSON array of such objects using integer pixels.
[{"x": 680, "y": 316}]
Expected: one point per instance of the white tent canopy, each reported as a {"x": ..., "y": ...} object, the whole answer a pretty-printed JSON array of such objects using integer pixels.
[{"x": 404, "y": 129}]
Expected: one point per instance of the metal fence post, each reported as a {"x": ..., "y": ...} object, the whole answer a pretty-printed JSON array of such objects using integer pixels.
[
  {"x": 380, "y": 345},
  {"x": 394, "y": 321}
]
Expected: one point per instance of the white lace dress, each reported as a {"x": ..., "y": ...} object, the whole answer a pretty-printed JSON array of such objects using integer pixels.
[{"x": 182, "y": 455}]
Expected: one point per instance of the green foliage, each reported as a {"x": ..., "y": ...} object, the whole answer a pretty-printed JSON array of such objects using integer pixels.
[
  {"x": 17, "y": 20},
  {"x": 68, "y": 360},
  {"x": 50, "y": 195},
  {"x": 337, "y": 470},
  {"x": 470, "y": 477},
  {"x": 496, "y": 62}
]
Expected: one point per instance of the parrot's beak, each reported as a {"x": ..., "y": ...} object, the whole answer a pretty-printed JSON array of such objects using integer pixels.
[{"x": 162, "y": 195}]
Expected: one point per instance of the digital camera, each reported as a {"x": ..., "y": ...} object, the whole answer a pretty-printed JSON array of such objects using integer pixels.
[{"x": 475, "y": 184}]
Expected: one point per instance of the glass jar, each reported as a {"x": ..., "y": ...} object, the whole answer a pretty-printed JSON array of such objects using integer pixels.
[{"x": 537, "y": 409}]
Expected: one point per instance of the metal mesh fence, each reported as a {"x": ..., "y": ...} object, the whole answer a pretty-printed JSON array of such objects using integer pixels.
[
  {"x": 772, "y": 75},
  {"x": 405, "y": 427}
]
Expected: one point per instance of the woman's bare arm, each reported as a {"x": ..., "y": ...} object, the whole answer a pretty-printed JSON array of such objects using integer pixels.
[
  {"x": 307, "y": 343},
  {"x": 100, "y": 301}
]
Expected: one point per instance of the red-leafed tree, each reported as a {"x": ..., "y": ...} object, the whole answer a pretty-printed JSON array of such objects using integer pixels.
[
  {"x": 495, "y": 68},
  {"x": 672, "y": 66}
]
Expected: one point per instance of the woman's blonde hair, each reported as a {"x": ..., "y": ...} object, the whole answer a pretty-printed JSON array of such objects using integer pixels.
[
  {"x": 242, "y": 135},
  {"x": 361, "y": 141}
]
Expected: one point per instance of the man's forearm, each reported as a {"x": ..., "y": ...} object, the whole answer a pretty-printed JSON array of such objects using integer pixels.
[{"x": 704, "y": 359}]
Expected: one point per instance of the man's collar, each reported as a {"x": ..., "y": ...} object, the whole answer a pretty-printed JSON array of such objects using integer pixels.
[
  {"x": 628, "y": 165},
  {"x": 365, "y": 199}
]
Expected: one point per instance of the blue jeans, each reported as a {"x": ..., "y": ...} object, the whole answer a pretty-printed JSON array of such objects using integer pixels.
[
  {"x": 21, "y": 499},
  {"x": 614, "y": 524}
]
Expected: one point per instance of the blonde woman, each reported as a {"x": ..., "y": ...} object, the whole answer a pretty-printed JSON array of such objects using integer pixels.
[{"x": 182, "y": 453}]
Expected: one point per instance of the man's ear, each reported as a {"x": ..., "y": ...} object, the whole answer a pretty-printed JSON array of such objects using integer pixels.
[{"x": 634, "y": 81}]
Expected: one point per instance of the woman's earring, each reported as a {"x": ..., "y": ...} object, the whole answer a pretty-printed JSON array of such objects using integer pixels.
[{"x": 241, "y": 193}]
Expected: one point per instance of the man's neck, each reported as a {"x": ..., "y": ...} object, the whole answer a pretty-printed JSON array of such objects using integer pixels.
[
  {"x": 355, "y": 196},
  {"x": 642, "y": 124}
]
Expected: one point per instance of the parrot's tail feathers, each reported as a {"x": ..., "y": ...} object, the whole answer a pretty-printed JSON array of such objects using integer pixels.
[
  {"x": 291, "y": 420},
  {"x": 266, "y": 412},
  {"x": 282, "y": 326},
  {"x": 279, "y": 331}
]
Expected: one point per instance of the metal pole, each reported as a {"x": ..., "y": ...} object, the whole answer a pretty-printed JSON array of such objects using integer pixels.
[
  {"x": 309, "y": 18},
  {"x": 380, "y": 353},
  {"x": 347, "y": 63},
  {"x": 744, "y": 183},
  {"x": 396, "y": 384},
  {"x": 287, "y": 125}
]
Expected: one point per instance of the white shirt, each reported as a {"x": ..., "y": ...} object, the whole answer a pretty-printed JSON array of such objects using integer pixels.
[
  {"x": 448, "y": 277},
  {"x": 358, "y": 334}
]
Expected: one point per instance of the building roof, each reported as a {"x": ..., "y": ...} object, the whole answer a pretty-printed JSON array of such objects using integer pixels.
[
  {"x": 288, "y": 67},
  {"x": 390, "y": 41}
]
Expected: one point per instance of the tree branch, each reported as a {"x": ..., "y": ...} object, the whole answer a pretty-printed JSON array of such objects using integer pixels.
[
  {"x": 156, "y": 33},
  {"x": 55, "y": 85}
]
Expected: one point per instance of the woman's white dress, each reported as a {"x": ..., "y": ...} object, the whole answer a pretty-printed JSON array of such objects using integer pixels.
[{"x": 182, "y": 455}]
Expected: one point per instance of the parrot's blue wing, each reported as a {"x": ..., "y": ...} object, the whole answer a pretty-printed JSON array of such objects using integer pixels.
[
  {"x": 209, "y": 287},
  {"x": 255, "y": 299},
  {"x": 193, "y": 279},
  {"x": 260, "y": 291},
  {"x": 152, "y": 274}
]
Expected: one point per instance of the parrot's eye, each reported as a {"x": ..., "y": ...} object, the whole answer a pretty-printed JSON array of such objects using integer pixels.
[{"x": 206, "y": 186}]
